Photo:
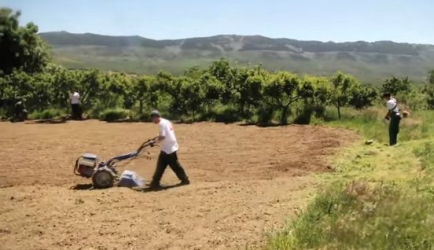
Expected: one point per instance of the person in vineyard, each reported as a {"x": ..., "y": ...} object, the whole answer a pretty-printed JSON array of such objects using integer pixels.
[
  {"x": 20, "y": 111},
  {"x": 75, "y": 105},
  {"x": 394, "y": 116}
]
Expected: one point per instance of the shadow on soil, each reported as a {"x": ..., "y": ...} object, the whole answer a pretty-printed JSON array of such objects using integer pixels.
[
  {"x": 46, "y": 121},
  {"x": 89, "y": 187},
  {"x": 146, "y": 190},
  {"x": 82, "y": 187},
  {"x": 60, "y": 120},
  {"x": 263, "y": 125}
]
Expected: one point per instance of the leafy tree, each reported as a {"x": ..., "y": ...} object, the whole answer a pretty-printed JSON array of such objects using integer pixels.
[
  {"x": 90, "y": 85},
  {"x": 40, "y": 97},
  {"x": 317, "y": 101},
  {"x": 164, "y": 84},
  {"x": 213, "y": 89},
  {"x": 227, "y": 76},
  {"x": 19, "y": 85},
  {"x": 395, "y": 86},
  {"x": 175, "y": 91},
  {"x": 248, "y": 91},
  {"x": 4, "y": 85},
  {"x": 143, "y": 90},
  {"x": 431, "y": 77},
  {"x": 362, "y": 97},
  {"x": 430, "y": 97},
  {"x": 20, "y": 47},
  {"x": 284, "y": 89},
  {"x": 62, "y": 81},
  {"x": 428, "y": 90},
  {"x": 187, "y": 96},
  {"x": 194, "y": 95},
  {"x": 322, "y": 94},
  {"x": 195, "y": 72},
  {"x": 342, "y": 86}
]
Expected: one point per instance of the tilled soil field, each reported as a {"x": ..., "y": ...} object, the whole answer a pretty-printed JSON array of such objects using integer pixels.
[{"x": 245, "y": 181}]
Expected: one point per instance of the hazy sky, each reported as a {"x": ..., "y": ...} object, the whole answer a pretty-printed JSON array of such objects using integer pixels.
[{"x": 324, "y": 20}]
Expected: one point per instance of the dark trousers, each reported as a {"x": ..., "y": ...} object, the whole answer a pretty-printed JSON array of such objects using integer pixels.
[
  {"x": 171, "y": 160},
  {"x": 394, "y": 128},
  {"x": 20, "y": 114},
  {"x": 76, "y": 111}
]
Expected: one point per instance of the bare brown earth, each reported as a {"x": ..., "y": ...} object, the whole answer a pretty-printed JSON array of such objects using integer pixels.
[{"x": 245, "y": 182}]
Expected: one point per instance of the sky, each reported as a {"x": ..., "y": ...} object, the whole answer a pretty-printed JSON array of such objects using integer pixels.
[{"x": 323, "y": 20}]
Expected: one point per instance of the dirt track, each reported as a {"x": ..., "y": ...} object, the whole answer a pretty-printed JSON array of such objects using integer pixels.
[{"x": 245, "y": 181}]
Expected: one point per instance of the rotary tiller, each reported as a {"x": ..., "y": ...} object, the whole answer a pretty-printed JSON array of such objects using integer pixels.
[{"x": 104, "y": 174}]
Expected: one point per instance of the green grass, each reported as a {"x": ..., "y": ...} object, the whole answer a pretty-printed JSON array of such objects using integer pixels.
[
  {"x": 360, "y": 215},
  {"x": 370, "y": 123},
  {"x": 379, "y": 197}
]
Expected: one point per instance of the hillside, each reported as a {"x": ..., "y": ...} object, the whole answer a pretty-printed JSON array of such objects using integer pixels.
[{"x": 368, "y": 61}]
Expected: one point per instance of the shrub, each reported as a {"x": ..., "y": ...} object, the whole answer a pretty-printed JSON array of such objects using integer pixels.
[
  {"x": 145, "y": 117},
  {"x": 265, "y": 114},
  {"x": 304, "y": 114},
  {"x": 3, "y": 114},
  {"x": 46, "y": 114},
  {"x": 225, "y": 114},
  {"x": 111, "y": 115}
]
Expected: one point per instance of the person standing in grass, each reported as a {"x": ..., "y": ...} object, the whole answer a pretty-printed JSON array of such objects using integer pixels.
[
  {"x": 168, "y": 154},
  {"x": 75, "y": 105},
  {"x": 394, "y": 116}
]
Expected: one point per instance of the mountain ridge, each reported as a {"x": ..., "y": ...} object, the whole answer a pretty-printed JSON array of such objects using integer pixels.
[
  {"x": 225, "y": 35},
  {"x": 144, "y": 55}
]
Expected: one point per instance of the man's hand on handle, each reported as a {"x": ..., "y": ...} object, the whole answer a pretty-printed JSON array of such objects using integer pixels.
[
  {"x": 158, "y": 138},
  {"x": 149, "y": 142},
  {"x": 154, "y": 141}
]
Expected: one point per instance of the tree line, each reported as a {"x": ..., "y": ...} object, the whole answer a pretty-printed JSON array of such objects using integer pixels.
[
  {"x": 238, "y": 93},
  {"x": 222, "y": 91}
]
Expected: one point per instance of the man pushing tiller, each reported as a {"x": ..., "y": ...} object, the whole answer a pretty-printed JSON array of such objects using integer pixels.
[{"x": 168, "y": 154}]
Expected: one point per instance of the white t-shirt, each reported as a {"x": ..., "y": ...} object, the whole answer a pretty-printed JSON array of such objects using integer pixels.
[
  {"x": 169, "y": 144},
  {"x": 391, "y": 105},
  {"x": 75, "y": 98}
]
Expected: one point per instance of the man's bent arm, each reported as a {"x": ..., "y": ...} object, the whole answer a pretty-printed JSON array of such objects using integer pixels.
[{"x": 388, "y": 113}]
